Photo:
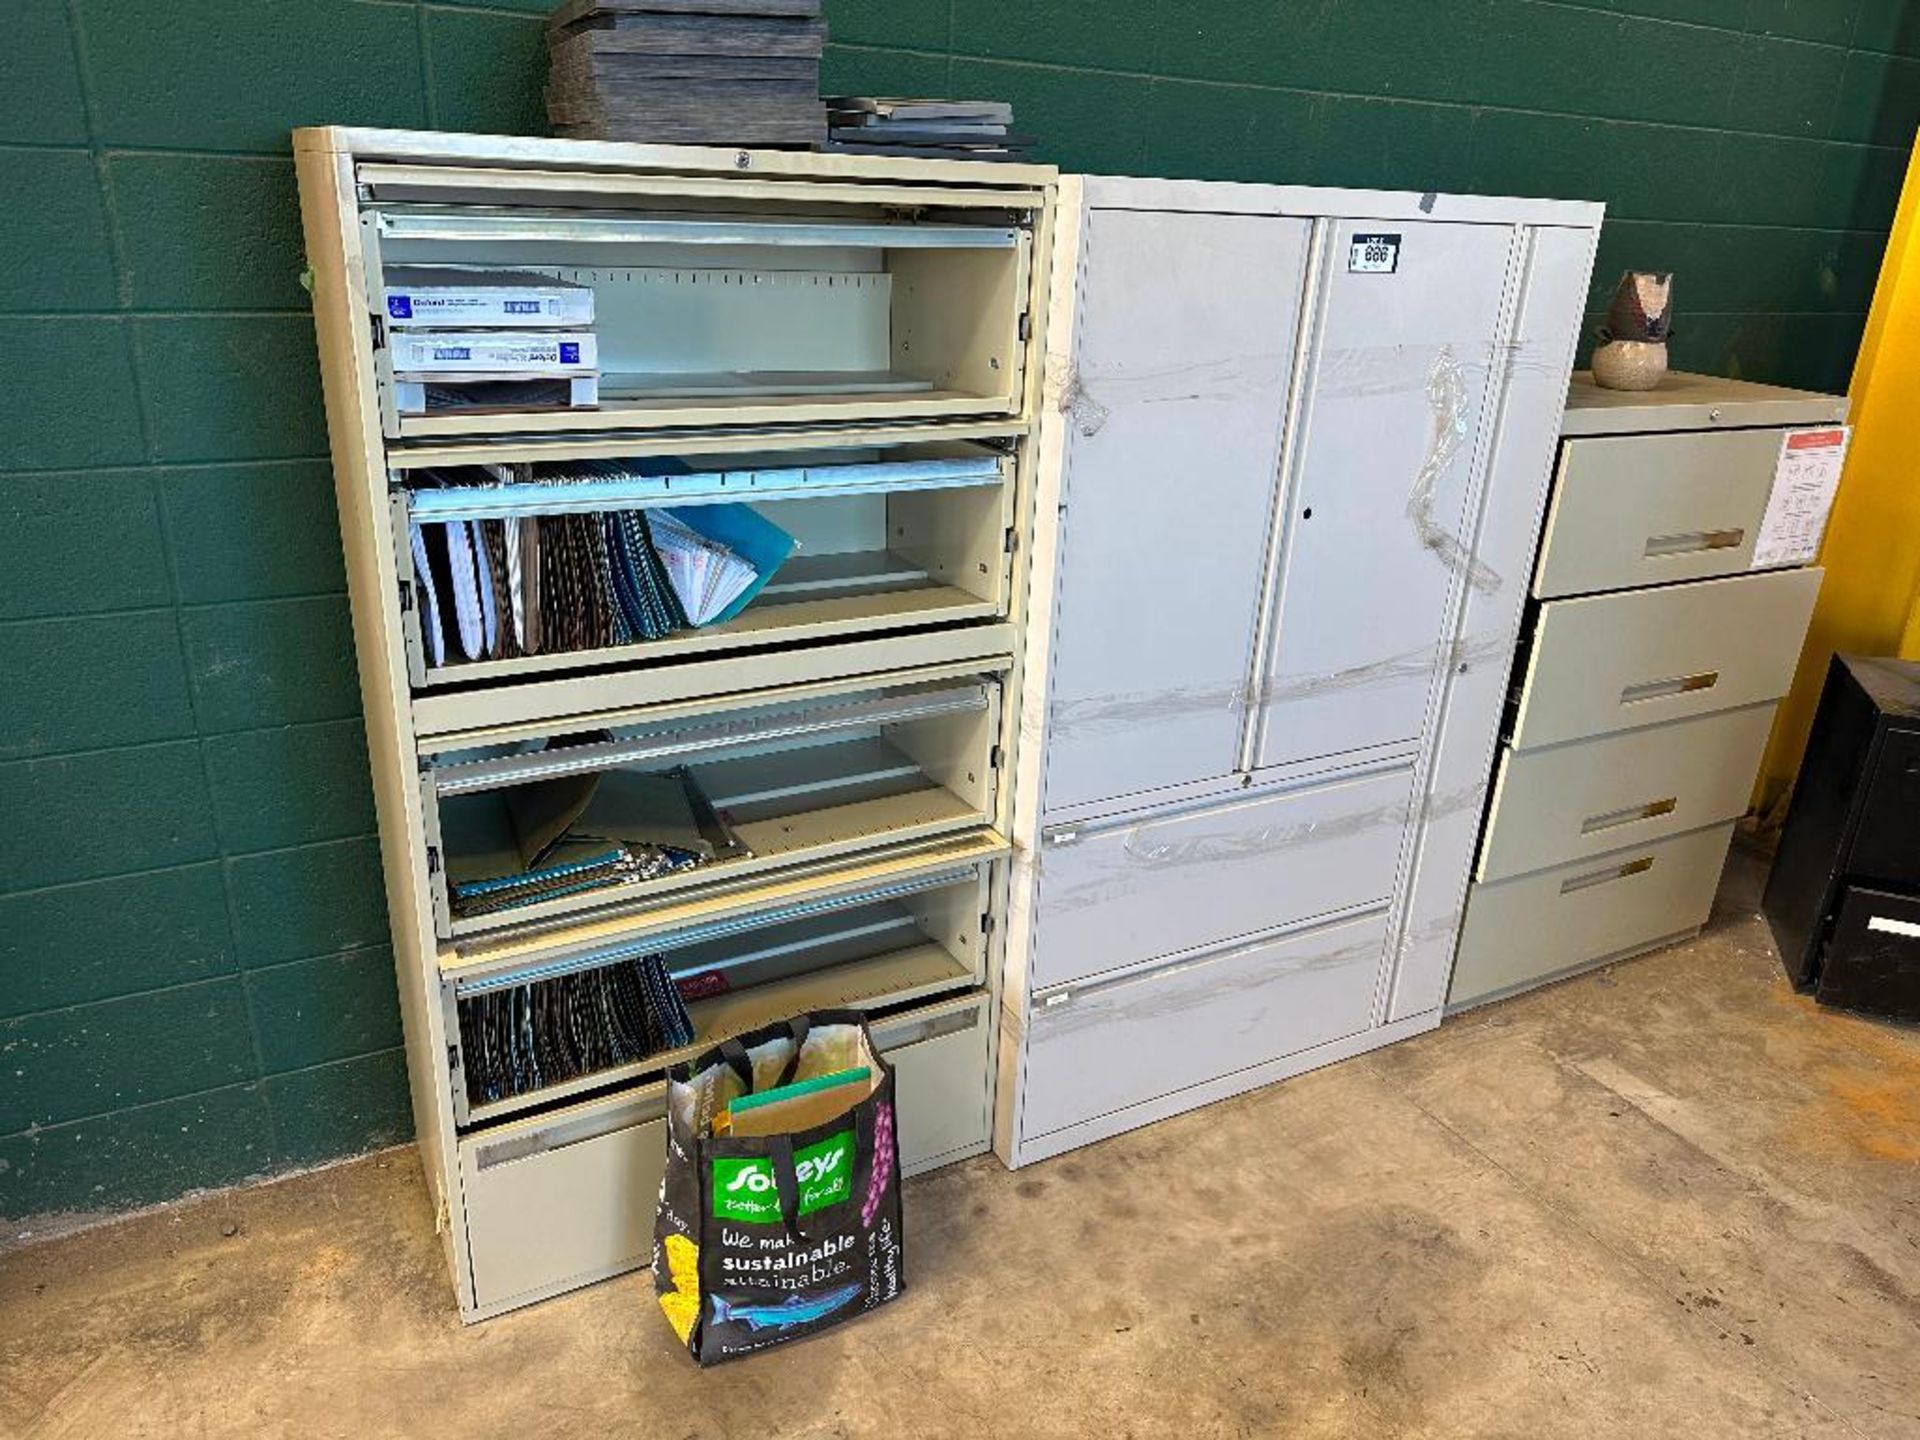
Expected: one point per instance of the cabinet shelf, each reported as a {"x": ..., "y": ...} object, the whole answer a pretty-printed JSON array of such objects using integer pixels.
[
  {"x": 770, "y": 321},
  {"x": 716, "y": 407},
  {"x": 868, "y": 823},
  {"x": 914, "y": 538},
  {"x": 862, "y": 769},
  {"x": 775, "y": 619},
  {"x": 884, "y": 945},
  {"x": 563, "y": 227},
  {"x": 871, "y": 984}
]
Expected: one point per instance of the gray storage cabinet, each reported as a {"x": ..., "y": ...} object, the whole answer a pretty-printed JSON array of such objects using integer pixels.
[
  {"x": 1656, "y": 657},
  {"x": 1293, "y": 455}
]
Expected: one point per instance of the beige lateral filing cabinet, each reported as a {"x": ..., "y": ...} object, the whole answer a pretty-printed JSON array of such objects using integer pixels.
[
  {"x": 1647, "y": 688},
  {"x": 846, "y": 346}
]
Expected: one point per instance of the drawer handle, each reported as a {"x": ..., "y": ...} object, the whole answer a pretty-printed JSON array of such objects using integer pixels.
[
  {"x": 918, "y": 1033},
  {"x": 1663, "y": 689},
  {"x": 1601, "y": 877},
  {"x": 558, "y": 1137},
  {"x": 1240, "y": 945},
  {"x": 1692, "y": 542},
  {"x": 1611, "y": 819}
]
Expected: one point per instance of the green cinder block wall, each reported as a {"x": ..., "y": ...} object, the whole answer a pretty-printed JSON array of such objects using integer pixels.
[{"x": 195, "y": 985}]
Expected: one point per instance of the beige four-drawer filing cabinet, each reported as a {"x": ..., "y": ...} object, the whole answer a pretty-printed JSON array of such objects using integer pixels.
[
  {"x": 1671, "y": 601},
  {"x": 845, "y": 348}
]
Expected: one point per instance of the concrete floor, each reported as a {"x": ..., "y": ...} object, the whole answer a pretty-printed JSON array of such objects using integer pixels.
[{"x": 1667, "y": 1199}]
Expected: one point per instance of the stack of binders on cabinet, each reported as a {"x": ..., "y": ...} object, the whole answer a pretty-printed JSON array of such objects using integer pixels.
[
  {"x": 930, "y": 129},
  {"x": 704, "y": 72}
]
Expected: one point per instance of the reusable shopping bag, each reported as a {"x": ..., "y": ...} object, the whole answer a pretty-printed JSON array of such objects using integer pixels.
[{"x": 764, "y": 1238}]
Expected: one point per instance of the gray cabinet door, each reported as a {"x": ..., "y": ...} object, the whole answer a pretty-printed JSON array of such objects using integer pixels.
[
  {"x": 1176, "y": 402},
  {"x": 1389, "y": 445},
  {"x": 1553, "y": 287}
]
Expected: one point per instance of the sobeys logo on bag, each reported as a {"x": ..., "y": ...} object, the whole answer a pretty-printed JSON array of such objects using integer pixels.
[{"x": 744, "y": 1188}]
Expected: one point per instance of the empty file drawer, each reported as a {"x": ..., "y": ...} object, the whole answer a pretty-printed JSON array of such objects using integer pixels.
[
  {"x": 1586, "y": 797},
  {"x": 1634, "y": 510},
  {"x": 565, "y": 1199},
  {"x": 1119, "y": 892},
  {"x": 1613, "y": 662},
  {"x": 1100, "y": 1047},
  {"x": 1551, "y": 922},
  {"x": 527, "y": 824},
  {"x": 568, "y": 1197}
]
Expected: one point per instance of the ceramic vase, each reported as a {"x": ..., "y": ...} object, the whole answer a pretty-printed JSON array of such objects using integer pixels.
[{"x": 1632, "y": 354}]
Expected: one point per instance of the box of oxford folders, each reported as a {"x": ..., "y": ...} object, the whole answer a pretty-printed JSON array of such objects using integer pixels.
[{"x": 441, "y": 297}]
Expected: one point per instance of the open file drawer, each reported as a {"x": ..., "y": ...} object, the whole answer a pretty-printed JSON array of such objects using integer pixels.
[
  {"x": 872, "y": 936},
  {"x": 509, "y": 566},
  {"x": 1631, "y": 510},
  {"x": 525, "y": 824},
  {"x": 802, "y": 303},
  {"x": 1604, "y": 663},
  {"x": 1564, "y": 802},
  {"x": 567, "y": 1197}
]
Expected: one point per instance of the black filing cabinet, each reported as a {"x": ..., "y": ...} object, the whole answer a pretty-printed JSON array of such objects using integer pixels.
[{"x": 1844, "y": 896}]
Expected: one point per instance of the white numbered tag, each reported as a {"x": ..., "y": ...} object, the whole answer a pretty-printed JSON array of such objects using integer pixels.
[{"x": 1373, "y": 254}]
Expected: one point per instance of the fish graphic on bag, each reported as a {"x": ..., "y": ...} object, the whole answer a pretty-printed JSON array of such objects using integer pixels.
[{"x": 794, "y": 1310}]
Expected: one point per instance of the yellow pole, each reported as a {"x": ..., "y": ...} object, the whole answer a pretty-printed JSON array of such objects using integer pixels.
[{"x": 1870, "y": 601}]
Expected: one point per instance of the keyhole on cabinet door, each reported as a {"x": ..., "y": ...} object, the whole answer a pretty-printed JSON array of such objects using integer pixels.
[{"x": 1307, "y": 514}]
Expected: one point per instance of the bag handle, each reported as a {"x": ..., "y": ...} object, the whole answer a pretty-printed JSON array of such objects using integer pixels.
[
  {"x": 734, "y": 1054},
  {"x": 786, "y": 1179},
  {"x": 786, "y": 1185},
  {"x": 797, "y": 1029}
]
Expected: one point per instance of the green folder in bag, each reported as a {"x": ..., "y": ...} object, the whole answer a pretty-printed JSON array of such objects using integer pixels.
[{"x": 801, "y": 1105}]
